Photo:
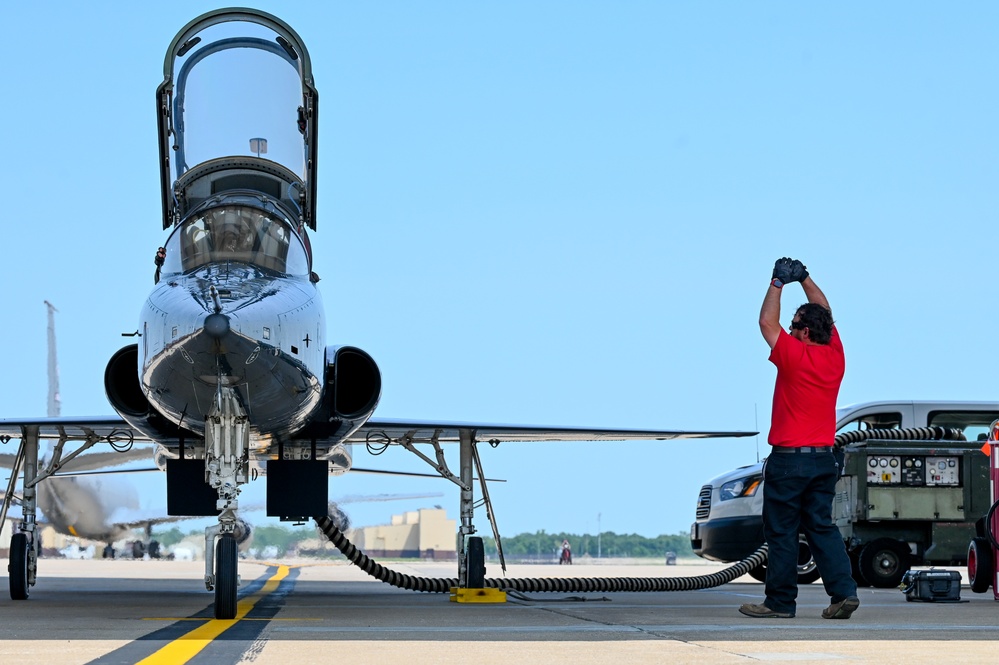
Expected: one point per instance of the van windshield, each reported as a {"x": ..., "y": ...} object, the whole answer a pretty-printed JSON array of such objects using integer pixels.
[{"x": 886, "y": 420}]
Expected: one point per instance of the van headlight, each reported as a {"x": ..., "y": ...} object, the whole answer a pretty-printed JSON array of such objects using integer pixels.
[{"x": 739, "y": 488}]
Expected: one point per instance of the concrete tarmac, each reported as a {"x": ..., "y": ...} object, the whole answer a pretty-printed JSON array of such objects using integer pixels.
[{"x": 325, "y": 612}]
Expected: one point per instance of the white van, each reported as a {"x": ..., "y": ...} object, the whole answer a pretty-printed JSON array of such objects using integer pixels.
[{"x": 729, "y": 523}]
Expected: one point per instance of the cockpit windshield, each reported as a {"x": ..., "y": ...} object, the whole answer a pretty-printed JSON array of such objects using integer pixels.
[
  {"x": 238, "y": 91},
  {"x": 238, "y": 233}
]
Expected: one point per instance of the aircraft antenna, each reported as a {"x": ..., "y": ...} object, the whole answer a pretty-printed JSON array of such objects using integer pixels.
[
  {"x": 756, "y": 426},
  {"x": 54, "y": 401}
]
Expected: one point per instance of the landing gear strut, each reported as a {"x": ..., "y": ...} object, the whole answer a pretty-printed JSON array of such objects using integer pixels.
[
  {"x": 471, "y": 556},
  {"x": 472, "y": 559}
]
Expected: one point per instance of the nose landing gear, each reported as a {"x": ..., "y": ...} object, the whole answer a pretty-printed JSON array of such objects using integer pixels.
[{"x": 226, "y": 468}]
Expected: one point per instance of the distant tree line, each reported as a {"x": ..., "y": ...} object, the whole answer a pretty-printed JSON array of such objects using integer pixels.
[
  {"x": 264, "y": 536},
  {"x": 543, "y": 545},
  {"x": 537, "y": 545}
]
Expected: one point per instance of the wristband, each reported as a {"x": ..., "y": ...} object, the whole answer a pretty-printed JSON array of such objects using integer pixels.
[{"x": 777, "y": 283}]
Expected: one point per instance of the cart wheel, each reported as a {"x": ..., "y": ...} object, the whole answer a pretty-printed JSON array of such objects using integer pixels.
[
  {"x": 858, "y": 577},
  {"x": 980, "y": 564},
  {"x": 883, "y": 562}
]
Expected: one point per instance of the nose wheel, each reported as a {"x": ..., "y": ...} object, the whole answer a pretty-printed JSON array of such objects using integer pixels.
[{"x": 226, "y": 577}]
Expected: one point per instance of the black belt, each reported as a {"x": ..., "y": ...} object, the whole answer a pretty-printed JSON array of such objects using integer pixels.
[{"x": 802, "y": 449}]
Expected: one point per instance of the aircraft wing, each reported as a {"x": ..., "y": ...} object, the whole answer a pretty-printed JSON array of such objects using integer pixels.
[
  {"x": 135, "y": 519},
  {"x": 379, "y": 429},
  {"x": 102, "y": 428},
  {"x": 116, "y": 430}
]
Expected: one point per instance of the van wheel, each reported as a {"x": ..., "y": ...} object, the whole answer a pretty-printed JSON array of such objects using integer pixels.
[
  {"x": 883, "y": 562},
  {"x": 808, "y": 571},
  {"x": 980, "y": 564}
]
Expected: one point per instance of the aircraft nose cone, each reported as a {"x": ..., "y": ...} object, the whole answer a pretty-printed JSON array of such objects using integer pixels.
[{"x": 217, "y": 325}]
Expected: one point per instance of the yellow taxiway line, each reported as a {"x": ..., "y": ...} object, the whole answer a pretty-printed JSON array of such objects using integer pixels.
[{"x": 190, "y": 644}]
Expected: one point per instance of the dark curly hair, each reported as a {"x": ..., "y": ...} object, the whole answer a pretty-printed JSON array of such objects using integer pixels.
[{"x": 818, "y": 320}]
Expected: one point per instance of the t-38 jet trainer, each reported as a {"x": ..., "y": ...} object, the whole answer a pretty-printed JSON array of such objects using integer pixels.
[{"x": 232, "y": 376}]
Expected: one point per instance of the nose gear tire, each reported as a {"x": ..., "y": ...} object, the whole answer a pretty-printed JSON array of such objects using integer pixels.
[{"x": 225, "y": 577}]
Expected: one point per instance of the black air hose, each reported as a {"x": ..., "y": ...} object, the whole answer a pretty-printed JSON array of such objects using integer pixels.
[
  {"x": 609, "y": 584},
  {"x": 909, "y": 434},
  {"x": 534, "y": 585}
]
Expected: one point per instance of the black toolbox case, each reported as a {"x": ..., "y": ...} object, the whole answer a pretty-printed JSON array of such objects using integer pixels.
[{"x": 933, "y": 586}]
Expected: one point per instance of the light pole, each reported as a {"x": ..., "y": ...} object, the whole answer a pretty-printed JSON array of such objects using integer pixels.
[{"x": 598, "y": 535}]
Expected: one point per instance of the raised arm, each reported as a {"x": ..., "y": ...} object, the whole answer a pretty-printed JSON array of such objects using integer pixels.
[
  {"x": 770, "y": 315},
  {"x": 814, "y": 293},
  {"x": 770, "y": 312}
]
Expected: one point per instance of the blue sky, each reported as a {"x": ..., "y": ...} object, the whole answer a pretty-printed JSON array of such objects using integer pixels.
[{"x": 559, "y": 213}]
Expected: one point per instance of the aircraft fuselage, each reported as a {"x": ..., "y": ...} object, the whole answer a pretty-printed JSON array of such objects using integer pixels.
[{"x": 238, "y": 326}]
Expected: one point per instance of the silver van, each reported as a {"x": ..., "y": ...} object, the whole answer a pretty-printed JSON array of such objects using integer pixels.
[{"x": 729, "y": 525}]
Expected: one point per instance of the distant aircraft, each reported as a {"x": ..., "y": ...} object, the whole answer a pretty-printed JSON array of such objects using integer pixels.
[
  {"x": 99, "y": 507},
  {"x": 232, "y": 376}
]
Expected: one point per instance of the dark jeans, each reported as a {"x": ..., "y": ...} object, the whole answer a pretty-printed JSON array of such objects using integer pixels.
[{"x": 798, "y": 492}]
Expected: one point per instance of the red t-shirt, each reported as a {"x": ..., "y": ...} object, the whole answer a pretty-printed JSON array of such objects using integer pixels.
[{"x": 808, "y": 380}]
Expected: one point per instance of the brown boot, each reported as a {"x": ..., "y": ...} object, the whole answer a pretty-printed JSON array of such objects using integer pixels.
[
  {"x": 843, "y": 609},
  {"x": 763, "y": 612}
]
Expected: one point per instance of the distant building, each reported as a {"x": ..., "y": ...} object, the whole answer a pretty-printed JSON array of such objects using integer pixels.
[
  {"x": 7, "y": 529},
  {"x": 418, "y": 534},
  {"x": 51, "y": 540}
]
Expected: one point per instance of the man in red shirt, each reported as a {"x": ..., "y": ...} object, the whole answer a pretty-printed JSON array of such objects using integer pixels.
[{"x": 801, "y": 472}]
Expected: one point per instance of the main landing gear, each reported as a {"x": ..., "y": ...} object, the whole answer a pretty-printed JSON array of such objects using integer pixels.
[
  {"x": 471, "y": 557},
  {"x": 23, "y": 565}
]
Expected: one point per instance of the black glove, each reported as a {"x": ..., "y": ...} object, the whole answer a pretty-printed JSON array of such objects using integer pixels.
[
  {"x": 798, "y": 271},
  {"x": 783, "y": 269}
]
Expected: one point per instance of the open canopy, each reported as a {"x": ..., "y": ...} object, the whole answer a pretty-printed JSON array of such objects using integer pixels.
[{"x": 238, "y": 110}]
